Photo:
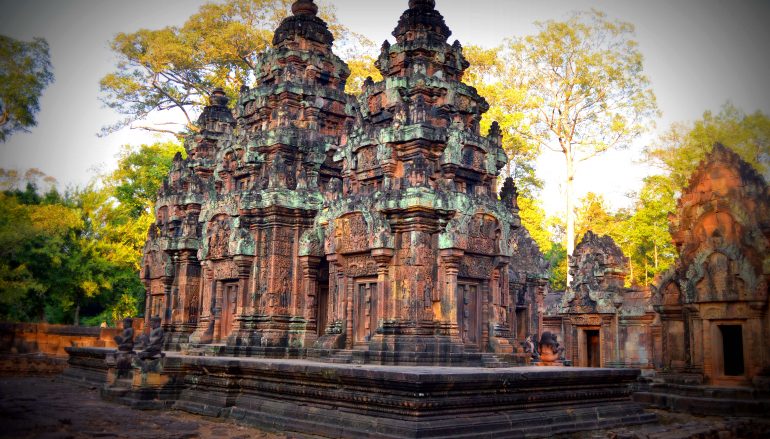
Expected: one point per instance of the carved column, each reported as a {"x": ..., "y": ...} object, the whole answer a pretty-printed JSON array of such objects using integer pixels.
[
  {"x": 168, "y": 282},
  {"x": 244, "y": 268},
  {"x": 216, "y": 312},
  {"x": 450, "y": 259},
  {"x": 309, "y": 266},
  {"x": 187, "y": 267},
  {"x": 349, "y": 285},
  {"x": 382, "y": 256}
]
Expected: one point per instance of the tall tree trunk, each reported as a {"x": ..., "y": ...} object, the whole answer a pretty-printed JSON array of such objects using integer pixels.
[
  {"x": 570, "y": 211},
  {"x": 77, "y": 315}
]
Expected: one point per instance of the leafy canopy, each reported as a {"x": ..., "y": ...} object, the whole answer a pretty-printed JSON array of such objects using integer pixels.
[
  {"x": 175, "y": 67},
  {"x": 679, "y": 150},
  {"x": 25, "y": 71},
  {"x": 585, "y": 90}
]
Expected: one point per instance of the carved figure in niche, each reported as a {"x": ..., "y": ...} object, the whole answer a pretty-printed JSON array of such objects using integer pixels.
[
  {"x": 419, "y": 111},
  {"x": 717, "y": 278},
  {"x": 125, "y": 340},
  {"x": 219, "y": 235},
  {"x": 400, "y": 116},
  {"x": 548, "y": 348},
  {"x": 277, "y": 173},
  {"x": 302, "y": 178},
  {"x": 190, "y": 227},
  {"x": 153, "y": 343}
]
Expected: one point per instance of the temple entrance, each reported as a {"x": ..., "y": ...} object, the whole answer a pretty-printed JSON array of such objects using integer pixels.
[
  {"x": 467, "y": 312},
  {"x": 732, "y": 349},
  {"x": 521, "y": 323},
  {"x": 365, "y": 319},
  {"x": 229, "y": 303},
  {"x": 322, "y": 298},
  {"x": 593, "y": 350}
]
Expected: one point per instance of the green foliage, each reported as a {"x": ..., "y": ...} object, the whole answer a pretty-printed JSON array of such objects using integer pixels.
[
  {"x": 585, "y": 91},
  {"x": 174, "y": 68},
  {"x": 140, "y": 173},
  {"x": 495, "y": 79},
  {"x": 75, "y": 258},
  {"x": 127, "y": 305},
  {"x": 548, "y": 233},
  {"x": 25, "y": 70},
  {"x": 641, "y": 232},
  {"x": 557, "y": 273},
  {"x": 679, "y": 150}
]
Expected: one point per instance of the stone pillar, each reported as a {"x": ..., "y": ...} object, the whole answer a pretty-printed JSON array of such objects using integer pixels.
[
  {"x": 450, "y": 259},
  {"x": 349, "y": 286},
  {"x": 244, "y": 269},
  {"x": 168, "y": 282},
  {"x": 216, "y": 312},
  {"x": 309, "y": 266},
  {"x": 382, "y": 256}
]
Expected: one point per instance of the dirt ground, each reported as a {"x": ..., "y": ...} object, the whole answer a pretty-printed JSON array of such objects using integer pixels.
[{"x": 48, "y": 408}]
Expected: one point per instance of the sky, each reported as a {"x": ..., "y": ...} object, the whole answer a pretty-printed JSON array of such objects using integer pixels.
[{"x": 699, "y": 54}]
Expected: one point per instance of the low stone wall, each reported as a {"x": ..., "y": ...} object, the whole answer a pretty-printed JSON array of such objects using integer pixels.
[
  {"x": 354, "y": 401},
  {"x": 43, "y": 338},
  {"x": 40, "y": 348}
]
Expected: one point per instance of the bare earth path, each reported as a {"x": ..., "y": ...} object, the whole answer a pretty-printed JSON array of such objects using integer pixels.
[{"x": 47, "y": 408}]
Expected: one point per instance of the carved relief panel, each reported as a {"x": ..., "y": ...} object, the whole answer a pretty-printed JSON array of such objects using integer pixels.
[{"x": 351, "y": 234}]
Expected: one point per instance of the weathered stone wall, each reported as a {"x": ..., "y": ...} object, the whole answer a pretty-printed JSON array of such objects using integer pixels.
[{"x": 44, "y": 338}]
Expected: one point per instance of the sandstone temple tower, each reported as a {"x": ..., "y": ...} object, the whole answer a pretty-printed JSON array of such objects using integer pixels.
[
  {"x": 713, "y": 303},
  {"x": 311, "y": 222}
]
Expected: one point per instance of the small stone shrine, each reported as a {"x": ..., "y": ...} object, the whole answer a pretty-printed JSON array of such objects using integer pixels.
[
  {"x": 601, "y": 322},
  {"x": 713, "y": 303}
]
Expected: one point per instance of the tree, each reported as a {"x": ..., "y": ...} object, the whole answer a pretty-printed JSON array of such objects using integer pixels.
[
  {"x": 174, "y": 68},
  {"x": 592, "y": 213},
  {"x": 139, "y": 175},
  {"x": 586, "y": 92},
  {"x": 495, "y": 80},
  {"x": 678, "y": 151},
  {"x": 25, "y": 71},
  {"x": 75, "y": 258}
]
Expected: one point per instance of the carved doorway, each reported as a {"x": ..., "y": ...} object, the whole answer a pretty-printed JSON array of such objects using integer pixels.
[
  {"x": 322, "y": 298},
  {"x": 593, "y": 350},
  {"x": 365, "y": 303},
  {"x": 468, "y": 312},
  {"x": 732, "y": 350},
  {"x": 229, "y": 304}
]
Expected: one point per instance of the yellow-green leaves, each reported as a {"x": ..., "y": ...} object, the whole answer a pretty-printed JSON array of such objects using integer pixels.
[
  {"x": 25, "y": 70},
  {"x": 174, "y": 68}
]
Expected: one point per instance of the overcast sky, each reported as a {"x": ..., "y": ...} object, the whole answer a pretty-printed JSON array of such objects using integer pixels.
[{"x": 698, "y": 54}]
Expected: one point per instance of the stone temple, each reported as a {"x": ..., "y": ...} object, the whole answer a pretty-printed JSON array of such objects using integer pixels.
[
  {"x": 308, "y": 219},
  {"x": 344, "y": 266}
]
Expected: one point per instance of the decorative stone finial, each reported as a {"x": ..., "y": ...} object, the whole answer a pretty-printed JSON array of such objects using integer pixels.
[
  {"x": 304, "y": 7},
  {"x": 422, "y": 4},
  {"x": 218, "y": 97}
]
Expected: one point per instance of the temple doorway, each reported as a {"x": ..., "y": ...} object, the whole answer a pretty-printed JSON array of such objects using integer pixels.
[
  {"x": 593, "y": 350},
  {"x": 467, "y": 312},
  {"x": 366, "y": 306},
  {"x": 521, "y": 323},
  {"x": 322, "y": 298},
  {"x": 732, "y": 349},
  {"x": 229, "y": 303}
]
